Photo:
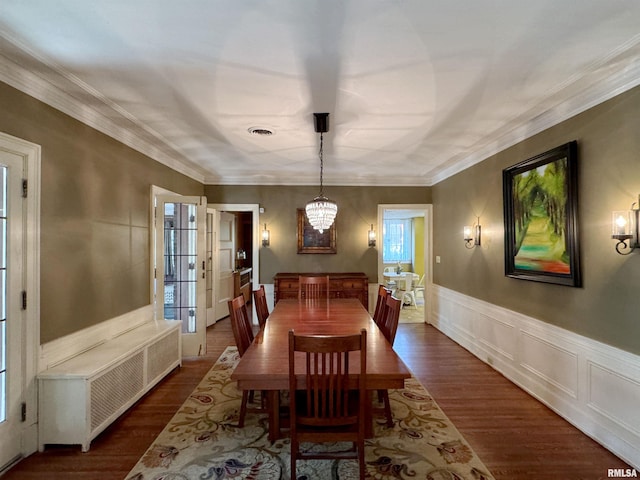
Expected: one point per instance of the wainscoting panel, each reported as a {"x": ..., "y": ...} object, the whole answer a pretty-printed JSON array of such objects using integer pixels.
[
  {"x": 592, "y": 385},
  {"x": 549, "y": 363},
  {"x": 619, "y": 401},
  {"x": 497, "y": 336}
]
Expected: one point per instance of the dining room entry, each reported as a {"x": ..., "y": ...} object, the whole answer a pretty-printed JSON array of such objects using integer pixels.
[{"x": 405, "y": 232}]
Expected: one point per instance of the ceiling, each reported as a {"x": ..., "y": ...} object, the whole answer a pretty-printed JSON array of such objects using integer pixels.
[{"x": 417, "y": 90}]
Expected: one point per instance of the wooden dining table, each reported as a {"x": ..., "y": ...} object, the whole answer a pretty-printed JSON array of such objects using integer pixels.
[{"x": 265, "y": 365}]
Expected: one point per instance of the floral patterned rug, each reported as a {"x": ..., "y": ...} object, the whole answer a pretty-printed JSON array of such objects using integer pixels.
[{"x": 202, "y": 441}]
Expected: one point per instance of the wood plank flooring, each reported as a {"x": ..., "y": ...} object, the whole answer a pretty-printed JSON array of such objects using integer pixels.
[{"x": 514, "y": 435}]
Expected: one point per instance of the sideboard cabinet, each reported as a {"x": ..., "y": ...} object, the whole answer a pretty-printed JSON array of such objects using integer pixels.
[{"x": 341, "y": 285}]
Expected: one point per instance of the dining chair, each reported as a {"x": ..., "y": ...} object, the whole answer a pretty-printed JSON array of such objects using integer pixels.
[
  {"x": 405, "y": 290},
  {"x": 324, "y": 407},
  {"x": 419, "y": 287},
  {"x": 383, "y": 292},
  {"x": 313, "y": 287},
  {"x": 389, "y": 327},
  {"x": 391, "y": 284},
  {"x": 243, "y": 335},
  {"x": 262, "y": 309}
]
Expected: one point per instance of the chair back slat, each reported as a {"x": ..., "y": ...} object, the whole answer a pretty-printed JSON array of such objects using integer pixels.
[
  {"x": 240, "y": 323},
  {"x": 390, "y": 318},
  {"x": 328, "y": 384},
  {"x": 383, "y": 292},
  {"x": 262, "y": 309},
  {"x": 313, "y": 287}
]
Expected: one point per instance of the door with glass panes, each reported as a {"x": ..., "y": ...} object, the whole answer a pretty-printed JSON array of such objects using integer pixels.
[
  {"x": 181, "y": 267},
  {"x": 11, "y": 312}
]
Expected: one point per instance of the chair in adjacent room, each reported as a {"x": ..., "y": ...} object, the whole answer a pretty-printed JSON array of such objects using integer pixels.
[
  {"x": 389, "y": 327},
  {"x": 262, "y": 309},
  {"x": 405, "y": 290},
  {"x": 419, "y": 287},
  {"x": 325, "y": 407},
  {"x": 243, "y": 335},
  {"x": 383, "y": 292},
  {"x": 390, "y": 284},
  {"x": 313, "y": 287}
]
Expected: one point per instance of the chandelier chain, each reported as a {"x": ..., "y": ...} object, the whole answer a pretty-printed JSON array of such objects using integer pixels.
[{"x": 321, "y": 164}]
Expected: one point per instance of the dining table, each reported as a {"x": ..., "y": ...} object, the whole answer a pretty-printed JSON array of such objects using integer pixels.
[{"x": 265, "y": 364}]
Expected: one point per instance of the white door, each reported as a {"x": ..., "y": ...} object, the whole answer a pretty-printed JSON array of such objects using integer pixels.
[
  {"x": 226, "y": 262},
  {"x": 212, "y": 264},
  {"x": 181, "y": 267},
  {"x": 11, "y": 313}
]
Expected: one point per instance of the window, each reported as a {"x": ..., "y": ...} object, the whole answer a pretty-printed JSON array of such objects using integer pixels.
[{"x": 397, "y": 237}]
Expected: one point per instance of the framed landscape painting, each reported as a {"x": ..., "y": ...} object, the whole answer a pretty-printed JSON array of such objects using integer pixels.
[{"x": 540, "y": 218}]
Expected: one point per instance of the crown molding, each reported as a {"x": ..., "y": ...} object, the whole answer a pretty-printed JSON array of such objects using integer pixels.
[
  {"x": 51, "y": 85},
  {"x": 611, "y": 77},
  {"x": 607, "y": 78}
]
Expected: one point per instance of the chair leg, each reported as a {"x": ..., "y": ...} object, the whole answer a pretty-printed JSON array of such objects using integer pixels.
[
  {"x": 387, "y": 407},
  {"x": 361, "y": 459},
  {"x": 243, "y": 407},
  {"x": 294, "y": 456}
]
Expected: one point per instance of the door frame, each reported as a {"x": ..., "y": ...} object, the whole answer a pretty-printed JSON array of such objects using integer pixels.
[
  {"x": 427, "y": 208},
  {"x": 254, "y": 208},
  {"x": 31, "y": 154}
]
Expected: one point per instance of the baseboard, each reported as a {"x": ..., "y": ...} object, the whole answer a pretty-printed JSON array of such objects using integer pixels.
[{"x": 571, "y": 374}]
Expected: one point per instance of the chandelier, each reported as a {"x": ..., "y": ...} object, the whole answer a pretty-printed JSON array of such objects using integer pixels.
[{"x": 321, "y": 211}]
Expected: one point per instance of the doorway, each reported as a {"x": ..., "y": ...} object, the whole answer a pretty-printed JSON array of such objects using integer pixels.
[
  {"x": 243, "y": 254},
  {"x": 419, "y": 261}
]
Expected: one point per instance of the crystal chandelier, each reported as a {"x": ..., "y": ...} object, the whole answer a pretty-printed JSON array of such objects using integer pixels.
[{"x": 321, "y": 211}]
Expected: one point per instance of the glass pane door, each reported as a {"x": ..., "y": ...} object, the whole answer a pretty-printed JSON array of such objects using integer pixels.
[{"x": 180, "y": 267}]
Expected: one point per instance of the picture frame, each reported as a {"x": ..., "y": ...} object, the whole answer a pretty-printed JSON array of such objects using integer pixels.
[
  {"x": 311, "y": 240},
  {"x": 540, "y": 198}
]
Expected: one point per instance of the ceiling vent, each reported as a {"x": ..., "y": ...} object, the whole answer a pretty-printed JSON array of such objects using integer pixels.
[{"x": 262, "y": 131}]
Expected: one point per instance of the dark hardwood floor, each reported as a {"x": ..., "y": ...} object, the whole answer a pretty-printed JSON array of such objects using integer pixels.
[{"x": 513, "y": 434}]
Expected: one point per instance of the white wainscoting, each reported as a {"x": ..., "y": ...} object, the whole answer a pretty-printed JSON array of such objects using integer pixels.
[{"x": 592, "y": 385}]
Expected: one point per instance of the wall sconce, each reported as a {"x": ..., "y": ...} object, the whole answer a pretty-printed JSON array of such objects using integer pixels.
[
  {"x": 624, "y": 225},
  {"x": 266, "y": 237},
  {"x": 472, "y": 234},
  {"x": 372, "y": 237}
]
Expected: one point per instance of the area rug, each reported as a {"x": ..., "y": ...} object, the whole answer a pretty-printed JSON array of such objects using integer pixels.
[{"x": 202, "y": 441}]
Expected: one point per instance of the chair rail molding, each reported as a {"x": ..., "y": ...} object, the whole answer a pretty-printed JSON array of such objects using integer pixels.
[{"x": 571, "y": 374}]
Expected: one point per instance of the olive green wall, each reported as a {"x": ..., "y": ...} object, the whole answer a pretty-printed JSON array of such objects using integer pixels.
[
  {"x": 95, "y": 196},
  {"x": 357, "y": 210},
  {"x": 607, "y": 307}
]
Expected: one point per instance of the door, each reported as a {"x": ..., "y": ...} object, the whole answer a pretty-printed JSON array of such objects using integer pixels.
[
  {"x": 226, "y": 262},
  {"x": 181, "y": 267},
  {"x": 212, "y": 264},
  {"x": 11, "y": 313}
]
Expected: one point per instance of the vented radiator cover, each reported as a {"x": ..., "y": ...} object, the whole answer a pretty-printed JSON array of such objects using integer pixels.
[{"x": 79, "y": 398}]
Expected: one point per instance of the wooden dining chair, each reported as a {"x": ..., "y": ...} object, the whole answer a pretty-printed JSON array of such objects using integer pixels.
[
  {"x": 243, "y": 335},
  {"x": 262, "y": 309},
  {"x": 324, "y": 407},
  {"x": 383, "y": 292},
  {"x": 313, "y": 287},
  {"x": 389, "y": 327}
]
